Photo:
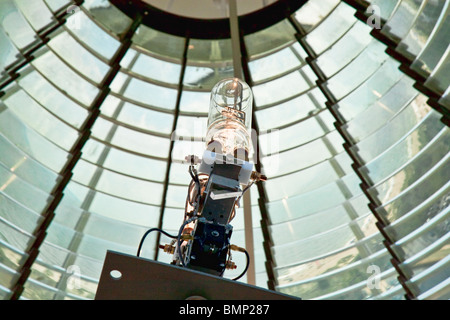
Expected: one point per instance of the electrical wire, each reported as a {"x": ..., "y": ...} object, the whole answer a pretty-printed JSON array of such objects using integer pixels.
[
  {"x": 147, "y": 233},
  {"x": 233, "y": 213},
  {"x": 194, "y": 176},
  {"x": 246, "y": 266},
  {"x": 179, "y": 238},
  {"x": 245, "y": 189}
]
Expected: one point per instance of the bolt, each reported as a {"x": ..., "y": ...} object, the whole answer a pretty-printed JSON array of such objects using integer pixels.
[{"x": 215, "y": 233}]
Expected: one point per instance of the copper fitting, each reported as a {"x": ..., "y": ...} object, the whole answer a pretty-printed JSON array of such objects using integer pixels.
[
  {"x": 230, "y": 265},
  {"x": 167, "y": 248},
  {"x": 256, "y": 176},
  {"x": 236, "y": 248},
  {"x": 187, "y": 237}
]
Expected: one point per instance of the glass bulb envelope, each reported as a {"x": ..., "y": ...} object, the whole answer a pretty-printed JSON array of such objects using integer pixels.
[{"x": 229, "y": 119}]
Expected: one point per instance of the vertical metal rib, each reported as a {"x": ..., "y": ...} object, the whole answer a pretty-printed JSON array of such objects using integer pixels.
[
  {"x": 366, "y": 182},
  {"x": 265, "y": 218},
  {"x": 66, "y": 173},
  {"x": 405, "y": 63},
  {"x": 172, "y": 142},
  {"x": 42, "y": 35},
  {"x": 237, "y": 67}
]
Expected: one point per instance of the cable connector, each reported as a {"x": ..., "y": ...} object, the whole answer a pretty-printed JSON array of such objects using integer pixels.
[
  {"x": 170, "y": 249},
  {"x": 256, "y": 176},
  {"x": 192, "y": 159},
  {"x": 230, "y": 265},
  {"x": 167, "y": 248}
]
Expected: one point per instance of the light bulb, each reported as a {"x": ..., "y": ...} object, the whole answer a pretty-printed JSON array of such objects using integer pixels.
[{"x": 229, "y": 119}]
